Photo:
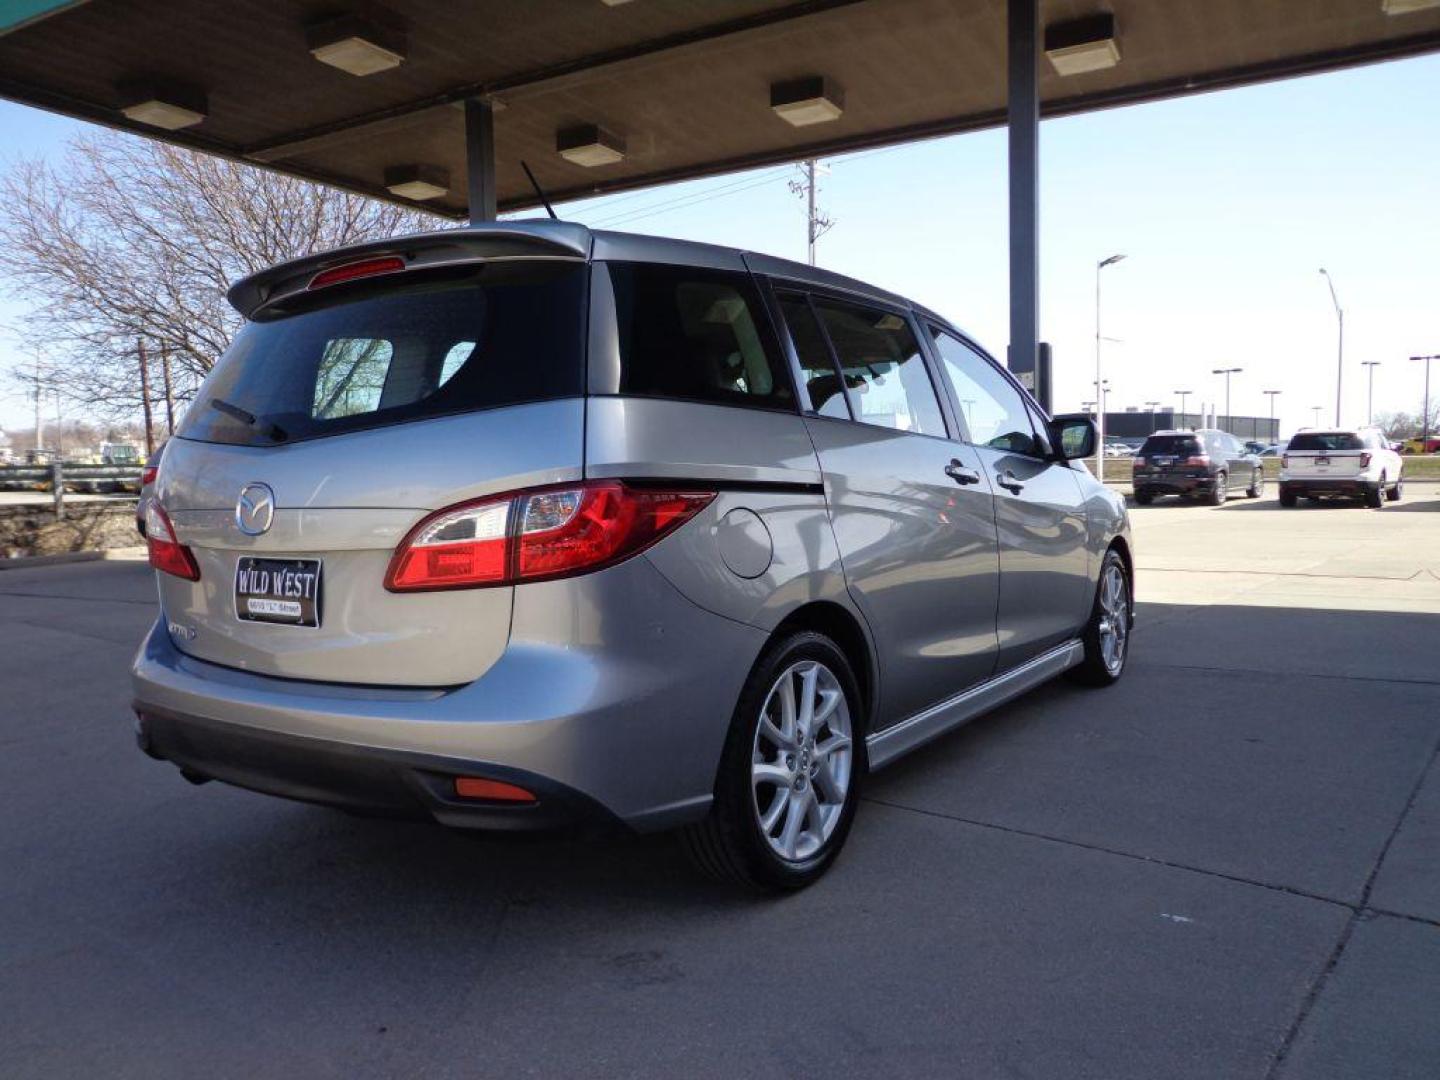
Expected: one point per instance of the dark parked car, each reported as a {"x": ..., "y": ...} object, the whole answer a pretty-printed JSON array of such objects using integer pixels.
[{"x": 1206, "y": 462}]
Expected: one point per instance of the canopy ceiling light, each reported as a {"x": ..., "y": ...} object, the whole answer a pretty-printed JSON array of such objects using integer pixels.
[
  {"x": 166, "y": 105},
  {"x": 811, "y": 100},
  {"x": 1405, "y": 7},
  {"x": 357, "y": 45},
  {"x": 418, "y": 182},
  {"x": 1082, "y": 45},
  {"x": 590, "y": 146}
]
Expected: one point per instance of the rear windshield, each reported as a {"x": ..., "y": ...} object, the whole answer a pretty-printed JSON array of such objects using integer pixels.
[
  {"x": 1178, "y": 445},
  {"x": 377, "y": 353},
  {"x": 1326, "y": 440}
]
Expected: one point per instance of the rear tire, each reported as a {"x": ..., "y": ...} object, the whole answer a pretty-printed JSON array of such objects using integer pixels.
[
  {"x": 1395, "y": 492},
  {"x": 1220, "y": 491},
  {"x": 756, "y": 819},
  {"x": 1107, "y": 634},
  {"x": 1144, "y": 498},
  {"x": 1287, "y": 498},
  {"x": 1257, "y": 485},
  {"x": 1375, "y": 497}
]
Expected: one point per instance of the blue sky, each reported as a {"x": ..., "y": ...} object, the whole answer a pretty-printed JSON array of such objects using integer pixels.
[{"x": 1226, "y": 205}]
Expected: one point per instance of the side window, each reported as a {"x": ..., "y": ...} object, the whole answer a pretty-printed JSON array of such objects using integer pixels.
[
  {"x": 695, "y": 334},
  {"x": 995, "y": 412},
  {"x": 883, "y": 368},
  {"x": 822, "y": 380},
  {"x": 350, "y": 377}
]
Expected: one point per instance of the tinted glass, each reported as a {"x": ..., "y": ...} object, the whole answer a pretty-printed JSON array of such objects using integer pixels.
[
  {"x": 699, "y": 335},
  {"x": 374, "y": 353},
  {"x": 884, "y": 370},
  {"x": 1173, "y": 445},
  {"x": 822, "y": 381},
  {"x": 994, "y": 411},
  {"x": 1326, "y": 440}
]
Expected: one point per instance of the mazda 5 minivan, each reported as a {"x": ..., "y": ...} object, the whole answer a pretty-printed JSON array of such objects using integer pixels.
[{"x": 525, "y": 526}]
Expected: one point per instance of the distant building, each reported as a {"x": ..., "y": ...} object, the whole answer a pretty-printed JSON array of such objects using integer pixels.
[{"x": 1133, "y": 426}]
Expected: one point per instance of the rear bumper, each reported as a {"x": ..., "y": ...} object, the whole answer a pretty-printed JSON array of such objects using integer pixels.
[
  {"x": 616, "y": 718},
  {"x": 1353, "y": 486},
  {"x": 1162, "y": 484}
]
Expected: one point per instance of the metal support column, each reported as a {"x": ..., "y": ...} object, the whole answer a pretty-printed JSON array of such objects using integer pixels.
[
  {"x": 480, "y": 159},
  {"x": 1024, "y": 131}
]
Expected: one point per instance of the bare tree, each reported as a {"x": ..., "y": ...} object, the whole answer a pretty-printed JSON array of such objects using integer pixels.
[{"x": 129, "y": 240}]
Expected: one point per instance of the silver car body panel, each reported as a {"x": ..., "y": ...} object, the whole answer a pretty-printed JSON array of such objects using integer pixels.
[{"x": 621, "y": 683}]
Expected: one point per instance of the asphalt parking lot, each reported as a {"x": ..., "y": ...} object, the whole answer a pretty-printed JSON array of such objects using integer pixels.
[{"x": 1226, "y": 866}]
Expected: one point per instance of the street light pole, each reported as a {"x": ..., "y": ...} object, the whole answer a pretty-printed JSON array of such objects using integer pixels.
[
  {"x": 1316, "y": 410},
  {"x": 1182, "y": 395},
  {"x": 1370, "y": 391},
  {"x": 1099, "y": 374},
  {"x": 1152, "y": 406},
  {"x": 1425, "y": 408},
  {"x": 1339, "y": 343},
  {"x": 1272, "y": 394},
  {"x": 1227, "y": 372}
]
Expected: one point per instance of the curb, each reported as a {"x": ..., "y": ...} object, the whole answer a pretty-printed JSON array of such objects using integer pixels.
[{"x": 26, "y": 562}]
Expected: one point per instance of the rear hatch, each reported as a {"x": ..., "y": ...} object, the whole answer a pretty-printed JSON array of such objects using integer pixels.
[
  {"x": 353, "y": 411},
  {"x": 1318, "y": 455},
  {"x": 1172, "y": 456}
]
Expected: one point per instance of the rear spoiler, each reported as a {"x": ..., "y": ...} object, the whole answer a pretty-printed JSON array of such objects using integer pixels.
[{"x": 476, "y": 243}]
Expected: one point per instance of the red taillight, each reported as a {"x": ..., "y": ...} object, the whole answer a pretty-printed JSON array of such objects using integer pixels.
[
  {"x": 538, "y": 534},
  {"x": 1364, "y": 461},
  {"x": 148, "y": 476},
  {"x": 387, "y": 264},
  {"x": 1137, "y": 462},
  {"x": 167, "y": 554},
  {"x": 1198, "y": 459},
  {"x": 478, "y": 787}
]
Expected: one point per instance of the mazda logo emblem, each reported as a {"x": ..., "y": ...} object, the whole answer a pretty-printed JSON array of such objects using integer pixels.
[{"x": 255, "y": 509}]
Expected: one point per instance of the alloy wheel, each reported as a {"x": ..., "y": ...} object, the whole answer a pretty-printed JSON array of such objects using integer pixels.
[
  {"x": 801, "y": 760},
  {"x": 1114, "y": 618}
]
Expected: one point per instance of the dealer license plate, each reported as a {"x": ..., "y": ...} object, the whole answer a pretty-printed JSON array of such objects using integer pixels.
[{"x": 278, "y": 591}]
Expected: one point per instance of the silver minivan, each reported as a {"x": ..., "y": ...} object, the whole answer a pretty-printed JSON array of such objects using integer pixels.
[{"x": 527, "y": 526}]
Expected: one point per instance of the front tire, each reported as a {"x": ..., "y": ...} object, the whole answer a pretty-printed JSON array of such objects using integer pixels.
[
  {"x": 789, "y": 777},
  {"x": 1107, "y": 634},
  {"x": 1220, "y": 491}
]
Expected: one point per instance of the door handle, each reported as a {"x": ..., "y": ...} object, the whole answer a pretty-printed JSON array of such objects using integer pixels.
[
  {"x": 960, "y": 474},
  {"x": 1009, "y": 482}
]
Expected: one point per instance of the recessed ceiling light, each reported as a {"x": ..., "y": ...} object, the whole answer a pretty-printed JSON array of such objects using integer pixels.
[
  {"x": 165, "y": 105},
  {"x": 418, "y": 182},
  {"x": 358, "y": 46},
  {"x": 590, "y": 146},
  {"x": 1405, "y": 7},
  {"x": 811, "y": 100},
  {"x": 1082, "y": 45}
]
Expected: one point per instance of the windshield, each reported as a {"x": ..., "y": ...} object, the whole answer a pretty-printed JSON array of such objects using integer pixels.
[
  {"x": 1326, "y": 440},
  {"x": 378, "y": 353},
  {"x": 1175, "y": 445}
]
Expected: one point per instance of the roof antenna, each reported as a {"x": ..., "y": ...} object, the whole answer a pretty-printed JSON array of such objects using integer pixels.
[{"x": 539, "y": 191}]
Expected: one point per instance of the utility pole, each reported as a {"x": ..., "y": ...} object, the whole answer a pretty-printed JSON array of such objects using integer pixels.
[
  {"x": 145, "y": 399},
  {"x": 1370, "y": 393},
  {"x": 1425, "y": 408},
  {"x": 169, "y": 392},
  {"x": 816, "y": 223}
]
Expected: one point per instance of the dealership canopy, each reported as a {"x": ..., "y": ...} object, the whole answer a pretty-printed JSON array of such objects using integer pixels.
[{"x": 439, "y": 103}]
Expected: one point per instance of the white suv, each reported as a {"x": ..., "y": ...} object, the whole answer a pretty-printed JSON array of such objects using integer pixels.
[{"x": 1345, "y": 462}]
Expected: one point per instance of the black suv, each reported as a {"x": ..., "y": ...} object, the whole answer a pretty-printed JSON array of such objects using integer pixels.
[{"x": 1206, "y": 462}]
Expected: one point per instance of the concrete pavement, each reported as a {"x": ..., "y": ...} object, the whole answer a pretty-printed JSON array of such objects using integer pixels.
[{"x": 1223, "y": 867}]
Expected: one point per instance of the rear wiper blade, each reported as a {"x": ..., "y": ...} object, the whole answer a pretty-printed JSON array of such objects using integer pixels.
[
  {"x": 233, "y": 410},
  {"x": 275, "y": 431}
]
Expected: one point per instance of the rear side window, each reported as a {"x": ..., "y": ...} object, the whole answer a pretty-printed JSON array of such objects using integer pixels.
[
  {"x": 1326, "y": 440},
  {"x": 883, "y": 367},
  {"x": 822, "y": 380},
  {"x": 697, "y": 335},
  {"x": 385, "y": 352},
  {"x": 1172, "y": 445}
]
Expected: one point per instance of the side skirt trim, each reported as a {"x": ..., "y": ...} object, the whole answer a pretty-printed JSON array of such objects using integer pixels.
[{"x": 894, "y": 742}]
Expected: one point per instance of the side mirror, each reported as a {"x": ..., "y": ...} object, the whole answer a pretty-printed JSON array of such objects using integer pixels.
[{"x": 1073, "y": 437}]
